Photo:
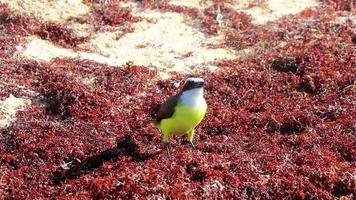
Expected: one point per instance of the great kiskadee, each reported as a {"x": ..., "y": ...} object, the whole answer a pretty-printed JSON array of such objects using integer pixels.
[{"x": 181, "y": 113}]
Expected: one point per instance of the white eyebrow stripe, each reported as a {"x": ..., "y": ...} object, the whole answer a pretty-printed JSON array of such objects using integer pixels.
[{"x": 195, "y": 79}]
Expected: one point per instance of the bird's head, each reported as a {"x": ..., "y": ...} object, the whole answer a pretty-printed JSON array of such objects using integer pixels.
[{"x": 193, "y": 83}]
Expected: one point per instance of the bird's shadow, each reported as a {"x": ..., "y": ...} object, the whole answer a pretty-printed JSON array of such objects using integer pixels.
[{"x": 125, "y": 147}]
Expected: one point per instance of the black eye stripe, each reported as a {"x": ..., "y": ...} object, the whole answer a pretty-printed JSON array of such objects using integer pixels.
[{"x": 192, "y": 84}]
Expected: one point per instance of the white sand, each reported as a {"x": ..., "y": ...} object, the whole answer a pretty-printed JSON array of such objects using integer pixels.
[
  {"x": 344, "y": 19},
  {"x": 42, "y": 50},
  {"x": 48, "y": 10},
  {"x": 192, "y": 3},
  {"x": 58, "y": 11},
  {"x": 9, "y": 107},
  {"x": 45, "y": 51},
  {"x": 275, "y": 9},
  {"x": 265, "y": 11},
  {"x": 271, "y": 10},
  {"x": 161, "y": 44}
]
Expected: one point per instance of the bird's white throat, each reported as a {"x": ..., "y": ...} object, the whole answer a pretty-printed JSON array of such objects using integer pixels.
[{"x": 193, "y": 97}]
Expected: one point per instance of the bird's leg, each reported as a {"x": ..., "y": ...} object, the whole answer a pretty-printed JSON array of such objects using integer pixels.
[
  {"x": 168, "y": 147},
  {"x": 190, "y": 137},
  {"x": 166, "y": 143},
  {"x": 191, "y": 144}
]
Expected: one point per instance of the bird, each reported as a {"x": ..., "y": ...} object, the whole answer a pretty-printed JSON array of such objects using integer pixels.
[
  {"x": 180, "y": 114},
  {"x": 219, "y": 17}
]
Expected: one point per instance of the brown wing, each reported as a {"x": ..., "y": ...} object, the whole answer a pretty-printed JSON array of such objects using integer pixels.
[{"x": 167, "y": 108}]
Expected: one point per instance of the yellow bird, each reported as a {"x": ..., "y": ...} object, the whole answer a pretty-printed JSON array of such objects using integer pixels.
[{"x": 181, "y": 113}]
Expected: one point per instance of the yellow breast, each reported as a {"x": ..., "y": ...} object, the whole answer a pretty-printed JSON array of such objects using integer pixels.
[{"x": 184, "y": 119}]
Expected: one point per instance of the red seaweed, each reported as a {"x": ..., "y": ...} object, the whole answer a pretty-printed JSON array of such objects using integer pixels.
[{"x": 280, "y": 122}]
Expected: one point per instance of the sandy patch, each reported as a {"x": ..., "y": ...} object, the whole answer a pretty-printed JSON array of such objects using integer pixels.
[
  {"x": 261, "y": 11},
  {"x": 58, "y": 11},
  {"x": 344, "y": 19},
  {"x": 194, "y": 4},
  {"x": 271, "y": 10},
  {"x": 166, "y": 41},
  {"x": 80, "y": 29},
  {"x": 169, "y": 43},
  {"x": 48, "y": 10},
  {"x": 9, "y": 107},
  {"x": 43, "y": 50}
]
